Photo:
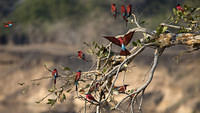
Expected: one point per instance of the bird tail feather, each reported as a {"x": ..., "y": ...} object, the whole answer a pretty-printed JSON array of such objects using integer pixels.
[{"x": 124, "y": 53}]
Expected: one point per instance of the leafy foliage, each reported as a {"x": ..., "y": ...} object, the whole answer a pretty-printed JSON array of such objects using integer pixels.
[{"x": 189, "y": 17}]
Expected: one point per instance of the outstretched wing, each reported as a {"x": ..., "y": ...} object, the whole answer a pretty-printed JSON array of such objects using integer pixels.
[
  {"x": 113, "y": 40},
  {"x": 127, "y": 38}
]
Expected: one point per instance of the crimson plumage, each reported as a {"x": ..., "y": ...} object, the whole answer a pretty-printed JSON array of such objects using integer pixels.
[
  {"x": 121, "y": 89},
  {"x": 178, "y": 7},
  {"x": 122, "y": 42},
  {"x": 91, "y": 98},
  {"x": 123, "y": 13},
  {"x": 114, "y": 10},
  {"x": 77, "y": 78},
  {"x": 55, "y": 75},
  {"x": 8, "y": 24},
  {"x": 81, "y": 55},
  {"x": 129, "y": 10}
]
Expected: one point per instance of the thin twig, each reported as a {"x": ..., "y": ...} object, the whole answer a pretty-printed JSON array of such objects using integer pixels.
[
  {"x": 151, "y": 73},
  {"x": 117, "y": 73},
  {"x": 85, "y": 107},
  {"x": 135, "y": 20},
  {"x": 141, "y": 100},
  {"x": 124, "y": 77},
  {"x": 173, "y": 26},
  {"x": 42, "y": 78},
  {"x": 107, "y": 58}
]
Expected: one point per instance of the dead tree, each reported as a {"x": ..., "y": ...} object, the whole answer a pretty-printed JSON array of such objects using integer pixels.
[{"x": 99, "y": 81}]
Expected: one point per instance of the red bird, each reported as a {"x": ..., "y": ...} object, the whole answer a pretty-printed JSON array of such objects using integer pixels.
[
  {"x": 129, "y": 10},
  {"x": 123, "y": 13},
  {"x": 81, "y": 55},
  {"x": 77, "y": 78},
  {"x": 55, "y": 75},
  {"x": 114, "y": 10},
  {"x": 179, "y": 8},
  {"x": 121, "y": 89},
  {"x": 8, "y": 24},
  {"x": 122, "y": 41},
  {"x": 95, "y": 87},
  {"x": 91, "y": 98}
]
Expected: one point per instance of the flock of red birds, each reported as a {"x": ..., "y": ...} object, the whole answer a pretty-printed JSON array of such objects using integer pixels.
[
  {"x": 125, "y": 11},
  {"x": 121, "y": 41}
]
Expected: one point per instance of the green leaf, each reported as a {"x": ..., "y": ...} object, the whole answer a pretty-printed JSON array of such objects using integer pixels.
[
  {"x": 138, "y": 41},
  {"x": 174, "y": 11},
  {"x": 21, "y": 84},
  {"x": 66, "y": 69},
  {"x": 87, "y": 86},
  {"x": 142, "y": 22},
  {"x": 104, "y": 70},
  {"x": 158, "y": 30},
  {"x": 98, "y": 53},
  {"x": 37, "y": 102},
  {"x": 86, "y": 44},
  {"x": 63, "y": 98},
  {"x": 93, "y": 43},
  {"x": 51, "y": 90},
  {"x": 132, "y": 90},
  {"x": 51, "y": 101},
  {"x": 164, "y": 29},
  {"x": 68, "y": 90},
  {"x": 134, "y": 43}
]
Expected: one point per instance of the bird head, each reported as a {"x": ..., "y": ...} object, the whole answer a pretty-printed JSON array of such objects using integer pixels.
[
  {"x": 80, "y": 52},
  {"x": 79, "y": 71},
  {"x": 178, "y": 5},
  {"x": 129, "y": 6},
  {"x": 55, "y": 70},
  {"x": 113, "y": 7}
]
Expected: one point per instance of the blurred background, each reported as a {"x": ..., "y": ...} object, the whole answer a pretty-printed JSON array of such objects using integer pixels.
[{"x": 52, "y": 31}]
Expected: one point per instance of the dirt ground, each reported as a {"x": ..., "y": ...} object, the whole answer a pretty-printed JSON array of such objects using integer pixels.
[{"x": 174, "y": 89}]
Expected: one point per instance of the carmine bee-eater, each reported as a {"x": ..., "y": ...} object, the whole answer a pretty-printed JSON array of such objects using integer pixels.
[
  {"x": 114, "y": 10},
  {"x": 179, "y": 8},
  {"x": 8, "y": 24},
  {"x": 121, "y": 89},
  {"x": 77, "y": 78},
  {"x": 129, "y": 10},
  {"x": 123, "y": 13},
  {"x": 95, "y": 87},
  {"x": 122, "y": 41},
  {"x": 91, "y": 98},
  {"x": 81, "y": 55},
  {"x": 55, "y": 75}
]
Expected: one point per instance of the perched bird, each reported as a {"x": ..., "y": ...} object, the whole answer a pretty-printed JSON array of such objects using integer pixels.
[
  {"x": 8, "y": 24},
  {"x": 55, "y": 75},
  {"x": 77, "y": 78},
  {"x": 90, "y": 97},
  {"x": 123, "y": 13},
  {"x": 121, "y": 89},
  {"x": 95, "y": 87},
  {"x": 129, "y": 10},
  {"x": 114, "y": 10},
  {"x": 179, "y": 8},
  {"x": 81, "y": 55},
  {"x": 122, "y": 41}
]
